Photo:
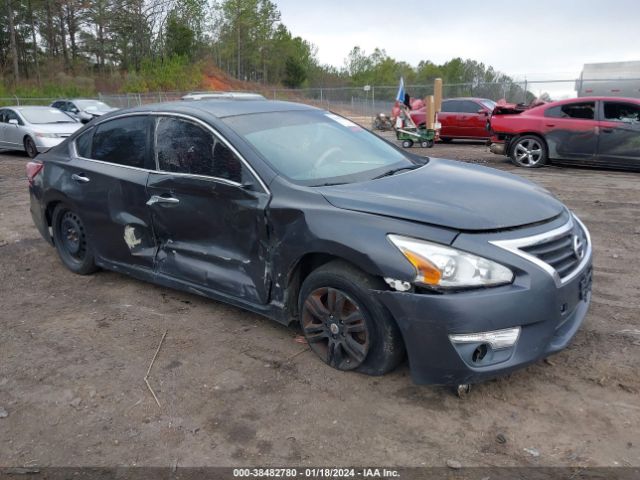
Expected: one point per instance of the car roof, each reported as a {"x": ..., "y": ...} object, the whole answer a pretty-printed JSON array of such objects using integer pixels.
[
  {"x": 477, "y": 99},
  {"x": 222, "y": 108},
  {"x": 593, "y": 99}
]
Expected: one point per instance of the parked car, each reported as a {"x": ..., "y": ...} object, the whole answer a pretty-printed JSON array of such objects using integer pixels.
[
  {"x": 296, "y": 213},
  {"x": 587, "y": 131},
  {"x": 464, "y": 118},
  {"x": 223, "y": 96},
  {"x": 83, "y": 109},
  {"x": 34, "y": 129}
]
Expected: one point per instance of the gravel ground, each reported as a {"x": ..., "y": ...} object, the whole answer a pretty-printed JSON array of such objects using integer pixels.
[{"x": 236, "y": 389}]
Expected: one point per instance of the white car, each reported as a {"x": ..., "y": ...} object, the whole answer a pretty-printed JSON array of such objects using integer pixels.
[{"x": 34, "y": 129}]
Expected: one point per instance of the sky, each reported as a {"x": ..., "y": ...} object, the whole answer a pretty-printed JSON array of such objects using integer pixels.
[{"x": 539, "y": 40}]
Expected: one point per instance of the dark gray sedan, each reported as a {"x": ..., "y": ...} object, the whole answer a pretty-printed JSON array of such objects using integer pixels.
[{"x": 301, "y": 215}]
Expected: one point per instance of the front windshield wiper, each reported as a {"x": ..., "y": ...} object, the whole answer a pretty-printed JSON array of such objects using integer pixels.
[
  {"x": 329, "y": 184},
  {"x": 393, "y": 171}
]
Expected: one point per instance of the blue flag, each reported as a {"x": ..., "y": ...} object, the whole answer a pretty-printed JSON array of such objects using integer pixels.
[{"x": 400, "y": 95}]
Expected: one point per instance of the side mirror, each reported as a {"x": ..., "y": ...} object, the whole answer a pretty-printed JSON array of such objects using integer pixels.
[
  {"x": 483, "y": 111},
  {"x": 75, "y": 110},
  {"x": 13, "y": 121}
]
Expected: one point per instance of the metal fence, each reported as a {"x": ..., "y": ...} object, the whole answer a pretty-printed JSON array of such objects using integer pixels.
[{"x": 371, "y": 100}]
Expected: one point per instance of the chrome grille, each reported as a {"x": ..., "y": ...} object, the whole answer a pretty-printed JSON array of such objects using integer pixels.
[
  {"x": 562, "y": 252},
  {"x": 558, "y": 253}
]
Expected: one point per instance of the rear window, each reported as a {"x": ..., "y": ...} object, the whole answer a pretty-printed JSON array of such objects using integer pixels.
[{"x": 582, "y": 110}]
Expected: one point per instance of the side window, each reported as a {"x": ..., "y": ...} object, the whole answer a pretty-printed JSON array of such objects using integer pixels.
[
  {"x": 622, "y": 112},
  {"x": 450, "y": 106},
  {"x": 467, "y": 106},
  {"x": 83, "y": 144},
  {"x": 582, "y": 110},
  {"x": 122, "y": 141},
  {"x": 58, "y": 105},
  {"x": 11, "y": 115},
  {"x": 185, "y": 147}
]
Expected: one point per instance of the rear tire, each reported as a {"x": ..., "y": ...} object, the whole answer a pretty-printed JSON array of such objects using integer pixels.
[
  {"x": 72, "y": 244},
  {"x": 344, "y": 324},
  {"x": 529, "y": 151},
  {"x": 30, "y": 147}
]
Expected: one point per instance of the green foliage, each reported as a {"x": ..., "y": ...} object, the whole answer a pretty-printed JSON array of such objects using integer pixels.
[
  {"x": 294, "y": 72},
  {"x": 176, "y": 73},
  {"x": 180, "y": 39}
]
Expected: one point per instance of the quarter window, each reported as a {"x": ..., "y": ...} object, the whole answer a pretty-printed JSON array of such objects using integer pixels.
[
  {"x": 83, "y": 144},
  {"x": 582, "y": 110},
  {"x": 621, "y": 112},
  {"x": 122, "y": 141},
  {"x": 185, "y": 147}
]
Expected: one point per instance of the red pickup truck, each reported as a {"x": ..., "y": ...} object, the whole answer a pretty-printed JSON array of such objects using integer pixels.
[{"x": 590, "y": 131}]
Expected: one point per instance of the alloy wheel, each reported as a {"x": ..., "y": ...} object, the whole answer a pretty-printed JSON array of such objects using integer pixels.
[
  {"x": 335, "y": 328},
  {"x": 528, "y": 152}
]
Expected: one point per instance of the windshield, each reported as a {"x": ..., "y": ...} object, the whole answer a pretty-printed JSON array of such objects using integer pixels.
[
  {"x": 45, "y": 115},
  {"x": 318, "y": 147},
  {"x": 490, "y": 104},
  {"x": 90, "y": 105}
]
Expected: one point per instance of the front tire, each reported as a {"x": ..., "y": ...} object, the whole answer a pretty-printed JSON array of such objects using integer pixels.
[
  {"x": 30, "y": 147},
  {"x": 529, "y": 151},
  {"x": 407, "y": 143},
  {"x": 72, "y": 244},
  {"x": 344, "y": 324}
]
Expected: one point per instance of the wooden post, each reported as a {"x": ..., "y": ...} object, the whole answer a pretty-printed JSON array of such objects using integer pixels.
[
  {"x": 437, "y": 94},
  {"x": 430, "y": 114}
]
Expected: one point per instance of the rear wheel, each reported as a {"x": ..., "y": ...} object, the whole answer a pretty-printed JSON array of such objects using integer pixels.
[
  {"x": 30, "y": 147},
  {"x": 426, "y": 144},
  {"x": 529, "y": 151},
  {"x": 70, "y": 238},
  {"x": 344, "y": 324}
]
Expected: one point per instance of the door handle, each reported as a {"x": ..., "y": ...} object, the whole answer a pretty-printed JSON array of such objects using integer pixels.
[
  {"x": 80, "y": 178},
  {"x": 607, "y": 130},
  {"x": 550, "y": 125},
  {"x": 162, "y": 199}
]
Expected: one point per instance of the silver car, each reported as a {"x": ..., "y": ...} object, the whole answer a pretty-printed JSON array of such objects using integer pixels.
[
  {"x": 34, "y": 129},
  {"x": 83, "y": 109}
]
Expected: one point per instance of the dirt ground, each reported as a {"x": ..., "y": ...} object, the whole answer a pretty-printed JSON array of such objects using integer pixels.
[{"x": 237, "y": 389}]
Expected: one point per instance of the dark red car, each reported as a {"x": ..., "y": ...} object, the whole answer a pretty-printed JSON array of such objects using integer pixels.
[
  {"x": 461, "y": 118},
  {"x": 589, "y": 131}
]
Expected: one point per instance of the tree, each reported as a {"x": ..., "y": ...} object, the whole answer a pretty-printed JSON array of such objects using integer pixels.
[{"x": 295, "y": 73}]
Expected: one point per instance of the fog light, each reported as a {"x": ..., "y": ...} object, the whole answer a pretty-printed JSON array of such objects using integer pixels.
[{"x": 497, "y": 339}]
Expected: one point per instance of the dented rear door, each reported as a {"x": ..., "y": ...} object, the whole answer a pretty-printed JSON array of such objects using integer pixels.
[
  {"x": 208, "y": 212},
  {"x": 106, "y": 179}
]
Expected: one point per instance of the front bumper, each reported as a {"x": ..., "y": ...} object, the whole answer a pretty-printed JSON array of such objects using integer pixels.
[{"x": 548, "y": 316}]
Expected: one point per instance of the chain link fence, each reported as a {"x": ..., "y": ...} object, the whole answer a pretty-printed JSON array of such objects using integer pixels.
[{"x": 366, "y": 102}]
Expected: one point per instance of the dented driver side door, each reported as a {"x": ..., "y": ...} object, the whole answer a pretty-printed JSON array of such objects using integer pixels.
[{"x": 208, "y": 212}]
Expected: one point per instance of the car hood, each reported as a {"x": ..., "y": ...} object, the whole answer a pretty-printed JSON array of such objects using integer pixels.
[
  {"x": 450, "y": 194},
  {"x": 56, "y": 127}
]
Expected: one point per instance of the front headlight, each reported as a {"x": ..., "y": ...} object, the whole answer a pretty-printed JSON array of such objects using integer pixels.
[{"x": 446, "y": 267}]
